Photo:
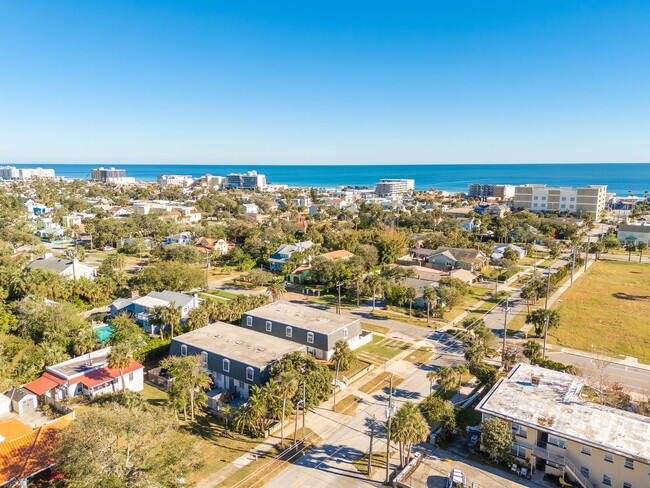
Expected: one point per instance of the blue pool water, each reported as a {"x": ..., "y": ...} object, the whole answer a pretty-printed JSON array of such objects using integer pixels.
[{"x": 103, "y": 332}]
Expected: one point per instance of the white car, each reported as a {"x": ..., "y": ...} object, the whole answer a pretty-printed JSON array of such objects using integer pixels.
[{"x": 456, "y": 479}]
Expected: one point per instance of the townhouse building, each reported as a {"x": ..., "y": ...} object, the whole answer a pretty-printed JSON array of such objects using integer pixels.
[
  {"x": 236, "y": 358},
  {"x": 560, "y": 433},
  {"x": 315, "y": 329}
]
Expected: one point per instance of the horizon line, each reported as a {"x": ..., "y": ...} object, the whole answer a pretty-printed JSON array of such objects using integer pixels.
[{"x": 326, "y": 164}]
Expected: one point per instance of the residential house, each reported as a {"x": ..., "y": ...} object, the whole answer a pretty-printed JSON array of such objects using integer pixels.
[
  {"x": 282, "y": 255},
  {"x": 251, "y": 209},
  {"x": 141, "y": 307},
  {"x": 299, "y": 274},
  {"x": 561, "y": 434},
  {"x": 182, "y": 239},
  {"x": 635, "y": 232},
  {"x": 497, "y": 251},
  {"x": 208, "y": 244},
  {"x": 68, "y": 268},
  {"x": 446, "y": 258},
  {"x": 25, "y": 456},
  {"x": 126, "y": 241},
  {"x": 235, "y": 358},
  {"x": 316, "y": 329},
  {"x": 88, "y": 375},
  {"x": 494, "y": 210}
]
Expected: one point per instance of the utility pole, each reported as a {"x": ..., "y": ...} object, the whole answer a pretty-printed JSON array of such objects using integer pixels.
[
  {"x": 545, "y": 334},
  {"x": 389, "y": 414},
  {"x": 295, "y": 428},
  {"x": 336, "y": 383},
  {"x": 587, "y": 252},
  {"x": 372, "y": 435},
  {"x": 505, "y": 330},
  {"x": 548, "y": 288},
  {"x": 573, "y": 263},
  {"x": 338, "y": 305},
  {"x": 304, "y": 408}
]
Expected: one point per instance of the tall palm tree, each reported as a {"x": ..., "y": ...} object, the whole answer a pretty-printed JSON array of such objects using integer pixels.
[
  {"x": 409, "y": 426},
  {"x": 446, "y": 378},
  {"x": 630, "y": 247},
  {"x": 375, "y": 282},
  {"x": 287, "y": 387},
  {"x": 276, "y": 289},
  {"x": 641, "y": 246},
  {"x": 197, "y": 318},
  {"x": 84, "y": 342},
  {"x": 460, "y": 370},
  {"x": 429, "y": 295},
  {"x": 343, "y": 355},
  {"x": 120, "y": 359},
  {"x": 431, "y": 376},
  {"x": 411, "y": 295},
  {"x": 171, "y": 315}
]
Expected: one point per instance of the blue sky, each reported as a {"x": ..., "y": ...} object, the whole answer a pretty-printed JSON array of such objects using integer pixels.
[{"x": 248, "y": 82}]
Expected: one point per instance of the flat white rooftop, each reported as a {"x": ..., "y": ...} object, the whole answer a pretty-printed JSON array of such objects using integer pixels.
[
  {"x": 302, "y": 316},
  {"x": 554, "y": 406}
]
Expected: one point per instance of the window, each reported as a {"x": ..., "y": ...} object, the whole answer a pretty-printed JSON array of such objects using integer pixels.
[
  {"x": 518, "y": 451},
  {"x": 204, "y": 357},
  {"x": 183, "y": 350},
  {"x": 543, "y": 198},
  {"x": 609, "y": 457},
  {"x": 585, "y": 471},
  {"x": 543, "y": 205},
  {"x": 564, "y": 199},
  {"x": 269, "y": 326},
  {"x": 519, "y": 430},
  {"x": 573, "y": 199},
  {"x": 131, "y": 376},
  {"x": 627, "y": 484},
  {"x": 345, "y": 333},
  {"x": 249, "y": 321},
  {"x": 226, "y": 366},
  {"x": 310, "y": 337},
  {"x": 585, "y": 450},
  {"x": 288, "y": 331},
  {"x": 556, "y": 441},
  {"x": 249, "y": 373},
  {"x": 535, "y": 198},
  {"x": 607, "y": 480},
  {"x": 629, "y": 463}
]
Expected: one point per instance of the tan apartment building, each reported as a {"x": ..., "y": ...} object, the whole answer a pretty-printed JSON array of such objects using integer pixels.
[
  {"x": 590, "y": 199},
  {"x": 559, "y": 433}
]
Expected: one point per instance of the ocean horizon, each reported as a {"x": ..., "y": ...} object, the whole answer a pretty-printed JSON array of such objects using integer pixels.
[{"x": 620, "y": 178}]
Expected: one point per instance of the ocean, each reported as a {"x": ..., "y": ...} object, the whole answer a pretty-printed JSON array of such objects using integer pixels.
[{"x": 621, "y": 178}]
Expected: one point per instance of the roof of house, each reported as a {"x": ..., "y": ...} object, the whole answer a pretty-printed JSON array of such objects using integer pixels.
[
  {"x": 12, "y": 428},
  {"x": 287, "y": 249},
  {"x": 639, "y": 227},
  {"x": 460, "y": 255},
  {"x": 340, "y": 254},
  {"x": 30, "y": 453},
  {"x": 238, "y": 343},
  {"x": 302, "y": 316},
  {"x": 56, "y": 265},
  {"x": 17, "y": 394},
  {"x": 554, "y": 406},
  {"x": 180, "y": 299}
]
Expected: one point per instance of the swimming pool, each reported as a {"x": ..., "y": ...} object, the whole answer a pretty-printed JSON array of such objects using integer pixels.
[{"x": 103, "y": 332}]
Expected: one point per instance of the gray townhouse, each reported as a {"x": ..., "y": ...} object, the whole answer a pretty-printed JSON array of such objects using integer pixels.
[
  {"x": 315, "y": 329},
  {"x": 235, "y": 358}
]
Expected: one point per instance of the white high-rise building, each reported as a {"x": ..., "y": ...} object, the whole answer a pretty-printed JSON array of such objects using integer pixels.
[
  {"x": 246, "y": 181},
  {"x": 13, "y": 173},
  {"x": 175, "y": 180},
  {"x": 590, "y": 199},
  {"x": 390, "y": 187}
]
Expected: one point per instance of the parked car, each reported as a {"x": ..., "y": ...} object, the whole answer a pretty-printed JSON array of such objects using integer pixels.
[
  {"x": 456, "y": 479},
  {"x": 106, "y": 248}
]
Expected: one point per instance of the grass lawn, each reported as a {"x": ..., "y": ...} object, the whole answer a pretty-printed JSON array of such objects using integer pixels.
[
  {"x": 421, "y": 355},
  {"x": 382, "y": 349},
  {"x": 374, "y": 328},
  {"x": 608, "y": 308},
  {"x": 347, "y": 405},
  {"x": 359, "y": 365},
  {"x": 211, "y": 296},
  {"x": 380, "y": 382},
  {"x": 381, "y": 314},
  {"x": 476, "y": 294},
  {"x": 378, "y": 462}
]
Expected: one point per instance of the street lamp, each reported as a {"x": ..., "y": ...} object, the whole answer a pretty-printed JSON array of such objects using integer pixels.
[
  {"x": 505, "y": 330},
  {"x": 389, "y": 412}
]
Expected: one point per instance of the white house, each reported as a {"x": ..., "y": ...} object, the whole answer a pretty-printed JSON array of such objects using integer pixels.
[
  {"x": 635, "y": 232},
  {"x": 68, "y": 268},
  {"x": 497, "y": 251},
  {"x": 22, "y": 400},
  {"x": 182, "y": 239},
  {"x": 88, "y": 374}
]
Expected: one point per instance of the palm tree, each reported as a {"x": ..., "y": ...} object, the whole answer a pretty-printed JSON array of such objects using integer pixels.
[
  {"x": 375, "y": 282},
  {"x": 475, "y": 352},
  {"x": 276, "y": 289},
  {"x": 120, "y": 358},
  {"x": 226, "y": 412},
  {"x": 408, "y": 427},
  {"x": 84, "y": 342},
  {"x": 446, "y": 378},
  {"x": 411, "y": 295},
  {"x": 197, "y": 318},
  {"x": 460, "y": 370},
  {"x": 641, "y": 246},
  {"x": 630, "y": 247},
  {"x": 431, "y": 376},
  {"x": 533, "y": 351},
  {"x": 343, "y": 355},
  {"x": 429, "y": 295},
  {"x": 171, "y": 315},
  {"x": 287, "y": 387}
]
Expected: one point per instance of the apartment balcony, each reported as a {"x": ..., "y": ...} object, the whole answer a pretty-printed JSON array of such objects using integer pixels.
[{"x": 540, "y": 452}]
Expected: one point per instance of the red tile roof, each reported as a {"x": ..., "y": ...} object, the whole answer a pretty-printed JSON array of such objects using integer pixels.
[
  {"x": 45, "y": 383},
  {"x": 31, "y": 453}
]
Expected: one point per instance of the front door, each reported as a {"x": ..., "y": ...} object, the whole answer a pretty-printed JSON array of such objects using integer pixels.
[{"x": 226, "y": 382}]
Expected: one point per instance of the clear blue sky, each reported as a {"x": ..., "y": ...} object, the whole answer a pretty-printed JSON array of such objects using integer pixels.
[{"x": 324, "y": 82}]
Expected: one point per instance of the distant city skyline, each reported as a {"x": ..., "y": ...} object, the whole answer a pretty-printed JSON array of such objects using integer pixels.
[{"x": 296, "y": 83}]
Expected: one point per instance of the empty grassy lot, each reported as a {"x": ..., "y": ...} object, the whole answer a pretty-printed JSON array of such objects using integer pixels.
[
  {"x": 608, "y": 308},
  {"x": 381, "y": 349}
]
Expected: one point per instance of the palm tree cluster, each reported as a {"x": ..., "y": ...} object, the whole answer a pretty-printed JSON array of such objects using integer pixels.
[
  {"x": 448, "y": 378},
  {"x": 189, "y": 385},
  {"x": 408, "y": 426}
]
